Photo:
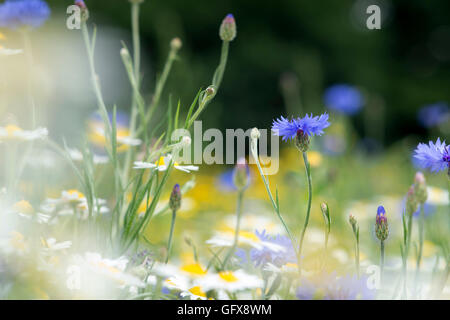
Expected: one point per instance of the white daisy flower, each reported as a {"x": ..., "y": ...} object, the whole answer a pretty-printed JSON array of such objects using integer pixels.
[
  {"x": 51, "y": 245},
  {"x": 76, "y": 155},
  {"x": 230, "y": 281},
  {"x": 12, "y": 132},
  {"x": 24, "y": 209},
  {"x": 437, "y": 196},
  {"x": 162, "y": 165},
  {"x": 9, "y": 52}
]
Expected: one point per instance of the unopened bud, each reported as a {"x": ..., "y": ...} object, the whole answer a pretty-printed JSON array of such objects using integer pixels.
[
  {"x": 241, "y": 174},
  {"x": 176, "y": 44},
  {"x": 302, "y": 141},
  {"x": 84, "y": 10},
  {"x": 326, "y": 215},
  {"x": 381, "y": 224},
  {"x": 411, "y": 201},
  {"x": 255, "y": 134},
  {"x": 186, "y": 141},
  {"x": 354, "y": 224},
  {"x": 420, "y": 188},
  {"x": 227, "y": 31},
  {"x": 175, "y": 198}
]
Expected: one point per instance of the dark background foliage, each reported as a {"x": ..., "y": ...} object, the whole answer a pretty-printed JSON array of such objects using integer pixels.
[{"x": 402, "y": 67}]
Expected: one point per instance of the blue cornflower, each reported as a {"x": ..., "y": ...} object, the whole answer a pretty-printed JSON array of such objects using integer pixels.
[
  {"x": 328, "y": 286},
  {"x": 19, "y": 13},
  {"x": 343, "y": 98},
  {"x": 308, "y": 125},
  {"x": 434, "y": 156},
  {"x": 434, "y": 114},
  {"x": 261, "y": 257}
]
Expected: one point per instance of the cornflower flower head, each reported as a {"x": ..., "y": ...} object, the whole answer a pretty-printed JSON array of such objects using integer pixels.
[
  {"x": 433, "y": 115},
  {"x": 21, "y": 13},
  {"x": 381, "y": 224},
  {"x": 433, "y": 156},
  {"x": 343, "y": 98},
  {"x": 300, "y": 128}
]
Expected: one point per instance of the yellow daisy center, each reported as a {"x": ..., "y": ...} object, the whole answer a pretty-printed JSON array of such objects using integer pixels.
[
  {"x": 197, "y": 291},
  {"x": 12, "y": 129},
  {"x": 74, "y": 192},
  {"x": 23, "y": 206},
  {"x": 228, "y": 276},
  {"x": 194, "y": 269}
]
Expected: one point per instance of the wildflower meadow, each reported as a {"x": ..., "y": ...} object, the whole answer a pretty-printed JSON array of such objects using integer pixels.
[{"x": 120, "y": 180}]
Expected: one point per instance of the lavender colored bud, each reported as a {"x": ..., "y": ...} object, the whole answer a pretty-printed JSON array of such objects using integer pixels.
[
  {"x": 241, "y": 174},
  {"x": 381, "y": 224},
  {"x": 227, "y": 31},
  {"x": 302, "y": 141},
  {"x": 84, "y": 10},
  {"x": 420, "y": 188},
  {"x": 175, "y": 198}
]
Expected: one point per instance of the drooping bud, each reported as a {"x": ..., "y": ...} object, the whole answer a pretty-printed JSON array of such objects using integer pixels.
[
  {"x": 326, "y": 215},
  {"x": 84, "y": 10},
  {"x": 302, "y": 141},
  {"x": 241, "y": 174},
  {"x": 227, "y": 31},
  {"x": 411, "y": 201},
  {"x": 176, "y": 44},
  {"x": 420, "y": 188},
  {"x": 175, "y": 198},
  {"x": 381, "y": 224},
  {"x": 255, "y": 134},
  {"x": 354, "y": 224},
  {"x": 210, "y": 91}
]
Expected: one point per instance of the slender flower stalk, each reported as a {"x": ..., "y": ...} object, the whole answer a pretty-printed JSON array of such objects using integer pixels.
[
  {"x": 355, "y": 229},
  {"x": 255, "y": 134},
  {"x": 421, "y": 194},
  {"x": 174, "y": 204},
  {"x": 241, "y": 181},
  {"x": 382, "y": 232},
  {"x": 308, "y": 210}
]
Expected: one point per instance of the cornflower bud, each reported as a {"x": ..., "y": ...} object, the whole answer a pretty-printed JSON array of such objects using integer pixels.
[
  {"x": 302, "y": 141},
  {"x": 175, "y": 198},
  {"x": 411, "y": 201},
  {"x": 227, "y": 31},
  {"x": 255, "y": 134},
  {"x": 84, "y": 10},
  {"x": 354, "y": 224},
  {"x": 420, "y": 188},
  {"x": 381, "y": 224},
  {"x": 241, "y": 174}
]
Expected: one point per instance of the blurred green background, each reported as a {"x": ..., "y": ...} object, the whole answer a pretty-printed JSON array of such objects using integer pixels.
[{"x": 399, "y": 68}]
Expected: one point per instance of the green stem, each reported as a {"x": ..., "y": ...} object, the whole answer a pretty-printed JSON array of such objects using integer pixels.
[
  {"x": 405, "y": 262},
  {"x": 381, "y": 260},
  {"x": 172, "y": 227},
  {"x": 136, "y": 64},
  {"x": 308, "y": 211},
  {"x": 421, "y": 239},
  {"x": 357, "y": 258},
  {"x": 238, "y": 224}
]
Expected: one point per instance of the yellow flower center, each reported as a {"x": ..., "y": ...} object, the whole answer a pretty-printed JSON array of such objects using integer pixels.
[
  {"x": 74, "y": 192},
  {"x": 315, "y": 158},
  {"x": 228, "y": 276},
  {"x": 12, "y": 129},
  {"x": 24, "y": 207},
  {"x": 194, "y": 269},
  {"x": 197, "y": 291},
  {"x": 2, "y": 36},
  {"x": 17, "y": 241},
  {"x": 249, "y": 236}
]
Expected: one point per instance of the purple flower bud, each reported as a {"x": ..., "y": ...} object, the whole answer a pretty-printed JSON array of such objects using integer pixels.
[
  {"x": 420, "y": 188},
  {"x": 175, "y": 198},
  {"x": 381, "y": 224},
  {"x": 227, "y": 31}
]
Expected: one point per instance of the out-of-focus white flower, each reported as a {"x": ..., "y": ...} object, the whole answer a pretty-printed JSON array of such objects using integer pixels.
[
  {"x": 9, "y": 52},
  {"x": 225, "y": 238},
  {"x": 437, "y": 196},
  {"x": 14, "y": 243},
  {"x": 113, "y": 269},
  {"x": 249, "y": 222},
  {"x": 162, "y": 165},
  {"x": 72, "y": 201},
  {"x": 76, "y": 155},
  {"x": 50, "y": 245},
  {"x": 14, "y": 133},
  {"x": 230, "y": 281},
  {"x": 24, "y": 209}
]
